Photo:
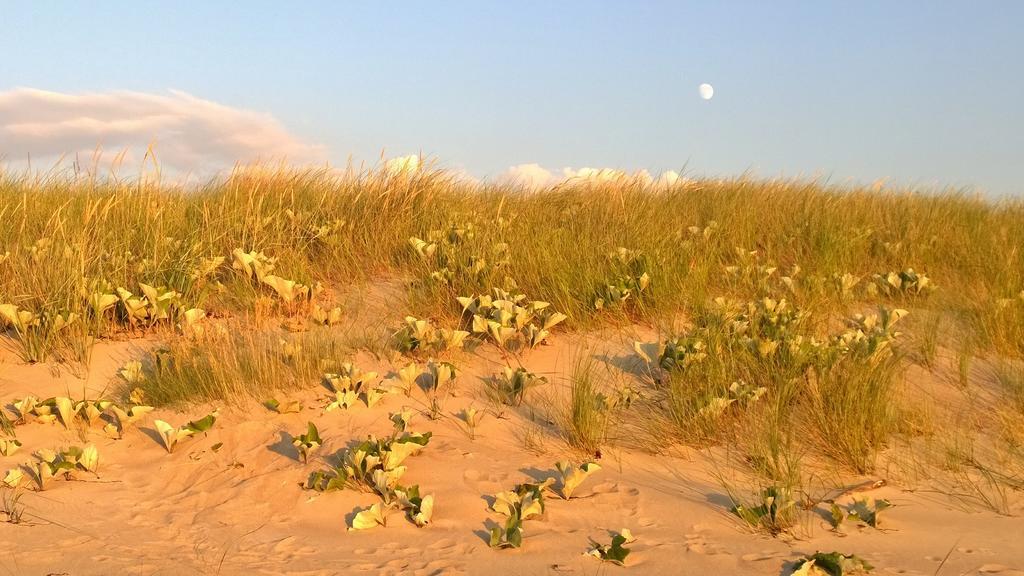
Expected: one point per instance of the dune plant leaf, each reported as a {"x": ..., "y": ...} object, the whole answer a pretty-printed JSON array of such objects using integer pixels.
[
  {"x": 831, "y": 564},
  {"x": 369, "y": 518},
  {"x": 286, "y": 407},
  {"x": 13, "y": 478},
  {"x": 573, "y": 476},
  {"x": 867, "y": 510},
  {"x": 509, "y": 536},
  {"x": 170, "y": 435},
  {"x": 308, "y": 442},
  {"x": 616, "y": 552},
  {"x": 837, "y": 516},
  {"x": 25, "y": 406},
  {"x": 9, "y": 446},
  {"x": 132, "y": 372},
  {"x": 65, "y": 408}
]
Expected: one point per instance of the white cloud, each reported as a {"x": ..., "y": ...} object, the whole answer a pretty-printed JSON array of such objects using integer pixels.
[
  {"x": 404, "y": 164},
  {"x": 187, "y": 133},
  {"x": 529, "y": 175},
  {"x": 536, "y": 176}
]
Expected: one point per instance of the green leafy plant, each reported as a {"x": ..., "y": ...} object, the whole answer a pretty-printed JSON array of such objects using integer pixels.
[
  {"x": 408, "y": 376},
  {"x": 348, "y": 384},
  {"x": 506, "y": 318},
  {"x": 775, "y": 513},
  {"x": 440, "y": 374},
  {"x": 13, "y": 478},
  {"x": 419, "y": 510},
  {"x": 9, "y": 446},
  {"x": 308, "y": 442},
  {"x": 51, "y": 463},
  {"x": 325, "y": 317},
  {"x": 360, "y": 463},
  {"x": 252, "y": 265},
  {"x": 125, "y": 417},
  {"x": 36, "y": 332},
  {"x": 629, "y": 279},
  {"x": 511, "y": 386},
  {"x": 471, "y": 419},
  {"x": 830, "y": 564},
  {"x": 375, "y": 515},
  {"x": 510, "y": 535},
  {"x": 525, "y": 501},
  {"x": 132, "y": 372},
  {"x": 419, "y": 336},
  {"x": 573, "y": 476},
  {"x": 678, "y": 353},
  {"x": 616, "y": 552},
  {"x": 171, "y": 435},
  {"x": 908, "y": 282},
  {"x": 288, "y": 406},
  {"x": 868, "y": 510}
]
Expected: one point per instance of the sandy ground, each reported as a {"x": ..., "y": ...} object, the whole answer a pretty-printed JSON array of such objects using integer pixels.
[{"x": 240, "y": 509}]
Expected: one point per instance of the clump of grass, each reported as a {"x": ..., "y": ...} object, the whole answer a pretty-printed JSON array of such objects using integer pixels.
[
  {"x": 236, "y": 364},
  {"x": 1010, "y": 377},
  {"x": 11, "y": 507},
  {"x": 585, "y": 419},
  {"x": 855, "y": 411}
]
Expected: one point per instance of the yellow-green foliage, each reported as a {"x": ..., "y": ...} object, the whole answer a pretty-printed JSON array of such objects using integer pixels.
[{"x": 69, "y": 243}]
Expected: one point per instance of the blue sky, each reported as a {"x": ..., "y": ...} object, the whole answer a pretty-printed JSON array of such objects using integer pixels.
[{"x": 916, "y": 92}]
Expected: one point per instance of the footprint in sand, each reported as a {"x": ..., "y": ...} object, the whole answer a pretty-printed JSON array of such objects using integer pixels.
[
  {"x": 698, "y": 543},
  {"x": 999, "y": 569},
  {"x": 484, "y": 482},
  {"x": 622, "y": 498}
]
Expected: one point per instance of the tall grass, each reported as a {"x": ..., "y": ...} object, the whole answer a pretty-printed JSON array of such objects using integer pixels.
[
  {"x": 585, "y": 418},
  {"x": 63, "y": 234},
  {"x": 233, "y": 365}
]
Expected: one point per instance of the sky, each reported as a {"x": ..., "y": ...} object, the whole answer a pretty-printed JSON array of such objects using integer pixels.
[{"x": 910, "y": 92}]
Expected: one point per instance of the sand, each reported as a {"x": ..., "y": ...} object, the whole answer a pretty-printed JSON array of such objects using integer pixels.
[{"x": 240, "y": 509}]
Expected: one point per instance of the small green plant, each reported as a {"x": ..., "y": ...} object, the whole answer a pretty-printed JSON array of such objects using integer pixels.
[
  {"x": 375, "y": 515},
  {"x": 132, "y": 372},
  {"x": 324, "y": 317},
  {"x": 471, "y": 418},
  {"x": 51, "y": 463},
  {"x": 408, "y": 377},
  {"x": 510, "y": 388},
  {"x": 510, "y": 535},
  {"x": 348, "y": 384},
  {"x": 419, "y": 510},
  {"x": 830, "y": 564},
  {"x": 308, "y": 442},
  {"x": 11, "y": 508},
  {"x": 125, "y": 417},
  {"x": 629, "y": 279},
  {"x": 419, "y": 336},
  {"x": 616, "y": 552},
  {"x": 908, "y": 283},
  {"x": 13, "y": 478},
  {"x": 171, "y": 435},
  {"x": 868, "y": 510},
  {"x": 508, "y": 318},
  {"x": 8, "y": 446},
  {"x": 775, "y": 513},
  {"x": 286, "y": 407},
  {"x": 523, "y": 502},
  {"x": 573, "y": 476},
  {"x": 360, "y": 463}
]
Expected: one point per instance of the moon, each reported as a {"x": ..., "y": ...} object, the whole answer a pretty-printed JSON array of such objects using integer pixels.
[{"x": 707, "y": 91}]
